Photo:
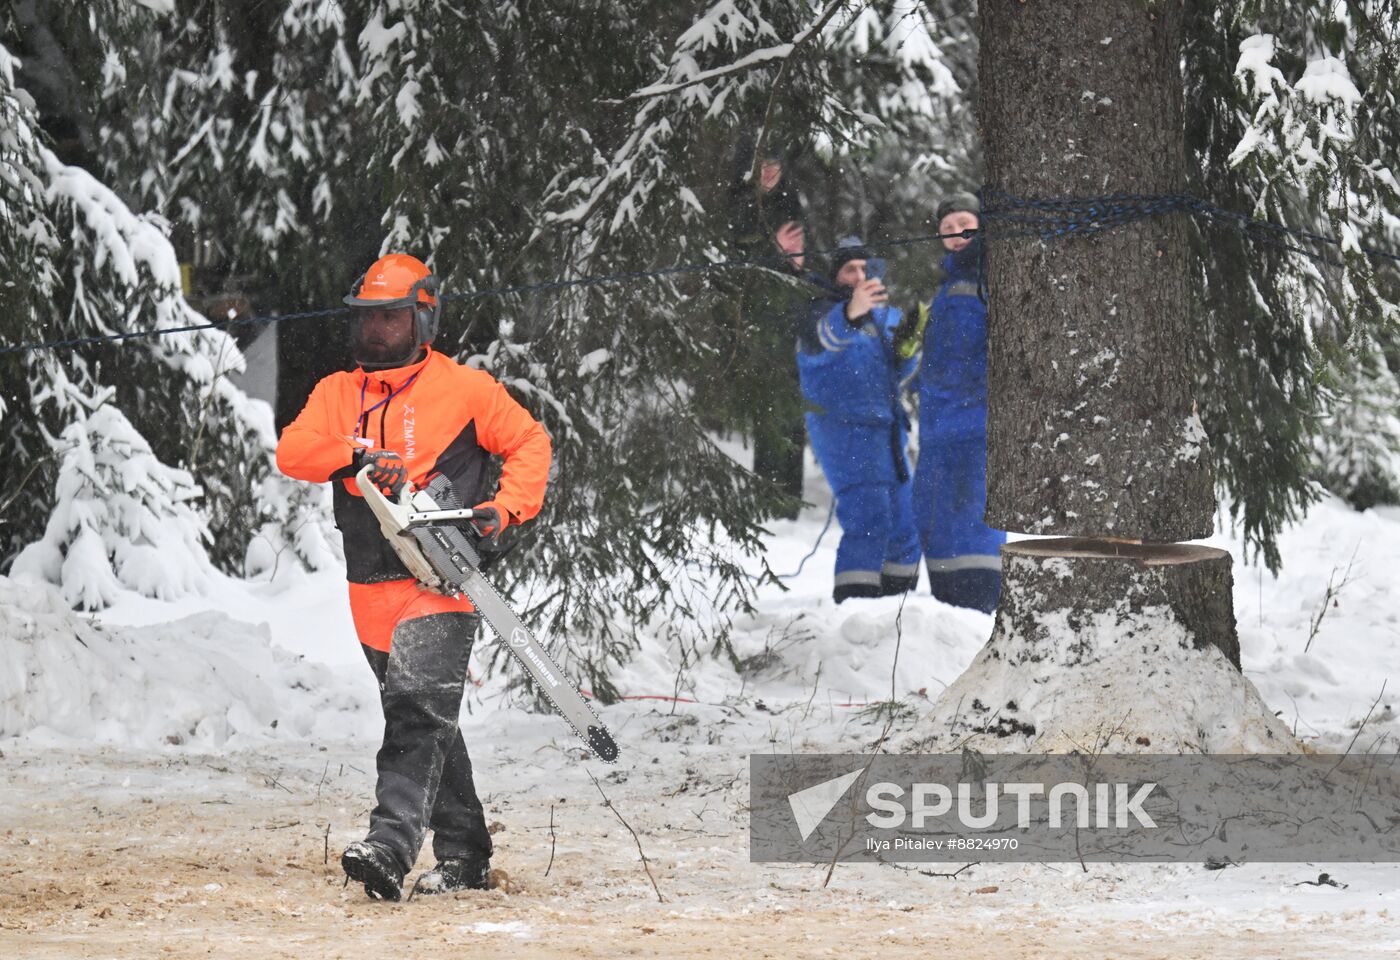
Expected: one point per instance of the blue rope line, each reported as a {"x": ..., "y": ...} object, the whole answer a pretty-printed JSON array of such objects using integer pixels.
[
  {"x": 1059, "y": 216},
  {"x": 1046, "y": 218},
  {"x": 813, "y": 552},
  {"x": 526, "y": 289}
]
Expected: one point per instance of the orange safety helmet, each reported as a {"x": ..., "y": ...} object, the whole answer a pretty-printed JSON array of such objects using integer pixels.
[{"x": 399, "y": 280}]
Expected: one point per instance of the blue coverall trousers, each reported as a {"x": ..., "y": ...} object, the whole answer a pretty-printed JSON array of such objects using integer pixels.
[
  {"x": 950, "y": 497},
  {"x": 866, "y": 466}
]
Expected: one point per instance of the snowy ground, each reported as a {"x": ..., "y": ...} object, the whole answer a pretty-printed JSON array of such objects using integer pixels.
[{"x": 180, "y": 778}]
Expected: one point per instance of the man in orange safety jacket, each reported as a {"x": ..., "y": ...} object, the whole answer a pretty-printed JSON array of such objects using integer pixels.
[{"x": 409, "y": 412}]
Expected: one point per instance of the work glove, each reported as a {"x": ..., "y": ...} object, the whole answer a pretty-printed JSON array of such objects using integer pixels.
[
  {"x": 909, "y": 335},
  {"x": 490, "y": 520},
  {"x": 388, "y": 474}
]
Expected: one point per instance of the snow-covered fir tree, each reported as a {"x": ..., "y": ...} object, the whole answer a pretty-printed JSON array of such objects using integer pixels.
[
  {"x": 135, "y": 465},
  {"x": 831, "y": 85},
  {"x": 1299, "y": 134}
]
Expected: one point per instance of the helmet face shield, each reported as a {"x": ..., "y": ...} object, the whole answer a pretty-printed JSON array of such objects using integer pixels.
[
  {"x": 383, "y": 335},
  {"x": 361, "y": 303}
]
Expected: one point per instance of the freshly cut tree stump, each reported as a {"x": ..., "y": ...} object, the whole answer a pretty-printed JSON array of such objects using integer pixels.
[
  {"x": 1086, "y": 577},
  {"x": 1107, "y": 646}
]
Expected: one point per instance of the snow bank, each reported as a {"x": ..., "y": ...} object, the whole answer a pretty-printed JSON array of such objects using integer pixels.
[
  {"x": 206, "y": 681},
  {"x": 1320, "y": 696},
  {"x": 1328, "y": 661},
  {"x": 209, "y": 679},
  {"x": 862, "y": 650},
  {"x": 799, "y": 645},
  {"x": 1119, "y": 683}
]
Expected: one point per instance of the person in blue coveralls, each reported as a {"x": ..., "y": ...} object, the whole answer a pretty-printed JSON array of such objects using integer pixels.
[
  {"x": 851, "y": 382},
  {"x": 950, "y": 480}
]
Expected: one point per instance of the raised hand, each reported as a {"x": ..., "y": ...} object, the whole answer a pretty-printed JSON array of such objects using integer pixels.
[
  {"x": 867, "y": 295},
  {"x": 792, "y": 240}
]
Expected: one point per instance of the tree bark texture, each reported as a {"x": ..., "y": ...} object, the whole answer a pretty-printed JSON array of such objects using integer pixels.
[
  {"x": 1092, "y": 430},
  {"x": 1192, "y": 585}
]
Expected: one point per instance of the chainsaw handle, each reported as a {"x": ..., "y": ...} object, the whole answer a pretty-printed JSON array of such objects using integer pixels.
[
  {"x": 417, "y": 518},
  {"x": 408, "y": 516},
  {"x": 362, "y": 480}
]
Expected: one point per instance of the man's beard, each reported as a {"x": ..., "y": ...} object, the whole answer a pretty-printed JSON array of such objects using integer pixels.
[{"x": 377, "y": 354}]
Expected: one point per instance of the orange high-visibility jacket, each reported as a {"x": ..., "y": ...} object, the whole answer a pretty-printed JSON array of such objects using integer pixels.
[{"x": 437, "y": 414}]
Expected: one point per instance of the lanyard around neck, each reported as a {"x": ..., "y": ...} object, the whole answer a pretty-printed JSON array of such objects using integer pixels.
[{"x": 359, "y": 420}]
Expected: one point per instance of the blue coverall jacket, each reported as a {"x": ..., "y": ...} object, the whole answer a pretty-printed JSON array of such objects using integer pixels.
[{"x": 851, "y": 381}]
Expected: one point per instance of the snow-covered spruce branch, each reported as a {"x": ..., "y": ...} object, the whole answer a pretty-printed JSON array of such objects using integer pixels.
[
  {"x": 654, "y": 127},
  {"x": 749, "y": 61}
]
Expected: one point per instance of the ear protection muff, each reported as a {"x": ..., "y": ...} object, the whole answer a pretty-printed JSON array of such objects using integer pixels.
[
  {"x": 355, "y": 286},
  {"x": 426, "y": 316}
]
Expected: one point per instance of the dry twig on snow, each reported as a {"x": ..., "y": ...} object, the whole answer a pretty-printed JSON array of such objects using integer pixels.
[{"x": 646, "y": 864}]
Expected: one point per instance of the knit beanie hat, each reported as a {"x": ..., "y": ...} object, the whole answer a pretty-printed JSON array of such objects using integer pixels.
[
  {"x": 958, "y": 202},
  {"x": 847, "y": 249}
]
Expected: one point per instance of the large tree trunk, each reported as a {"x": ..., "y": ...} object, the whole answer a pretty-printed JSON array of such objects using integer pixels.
[
  {"x": 1100, "y": 643},
  {"x": 1091, "y": 426}
]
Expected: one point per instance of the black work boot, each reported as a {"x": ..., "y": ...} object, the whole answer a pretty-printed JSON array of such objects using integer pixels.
[
  {"x": 845, "y": 591},
  {"x": 892, "y": 585},
  {"x": 457, "y": 873},
  {"x": 374, "y": 865},
  {"x": 976, "y": 589}
]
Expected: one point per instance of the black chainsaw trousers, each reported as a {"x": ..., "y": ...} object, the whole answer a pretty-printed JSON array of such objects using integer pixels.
[{"x": 424, "y": 773}]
